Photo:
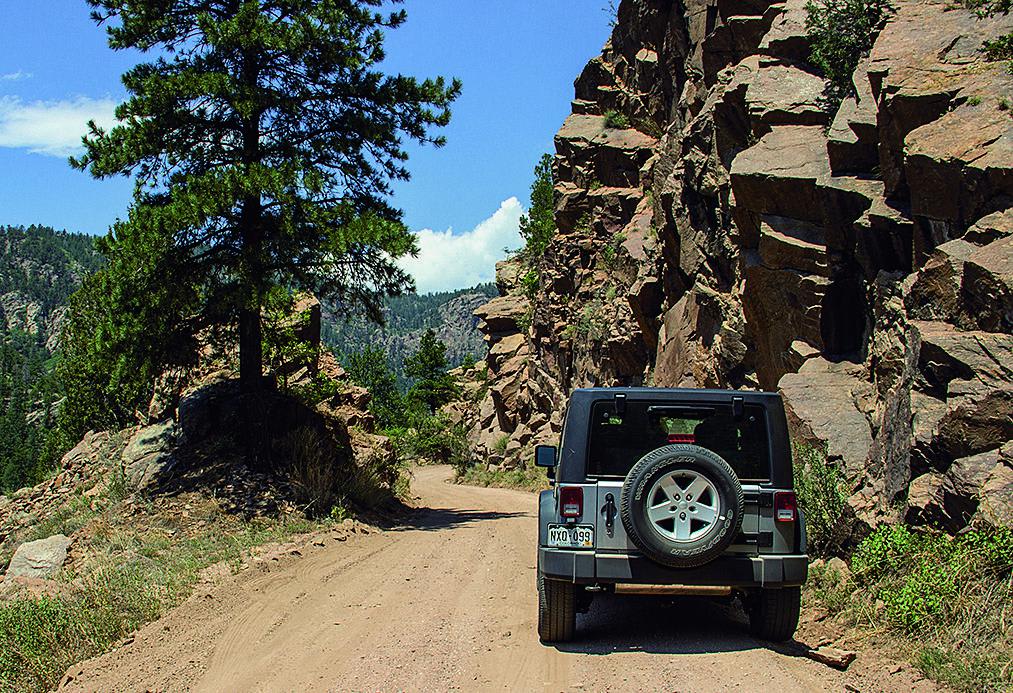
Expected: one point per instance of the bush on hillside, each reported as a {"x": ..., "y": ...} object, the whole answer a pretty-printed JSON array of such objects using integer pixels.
[{"x": 431, "y": 438}]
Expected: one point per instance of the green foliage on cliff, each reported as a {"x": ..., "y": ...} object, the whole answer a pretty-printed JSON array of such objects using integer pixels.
[
  {"x": 539, "y": 224},
  {"x": 617, "y": 120},
  {"x": 264, "y": 140},
  {"x": 841, "y": 32},
  {"x": 1002, "y": 47}
]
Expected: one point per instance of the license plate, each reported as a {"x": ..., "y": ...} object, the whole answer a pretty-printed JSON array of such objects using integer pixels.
[{"x": 571, "y": 536}]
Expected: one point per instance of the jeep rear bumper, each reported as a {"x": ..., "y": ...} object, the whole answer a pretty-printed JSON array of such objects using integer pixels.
[{"x": 589, "y": 567}]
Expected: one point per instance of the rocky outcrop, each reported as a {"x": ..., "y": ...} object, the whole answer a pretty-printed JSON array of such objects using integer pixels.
[{"x": 738, "y": 234}]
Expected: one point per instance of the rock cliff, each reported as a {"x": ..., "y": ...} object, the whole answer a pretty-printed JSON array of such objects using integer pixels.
[{"x": 718, "y": 226}]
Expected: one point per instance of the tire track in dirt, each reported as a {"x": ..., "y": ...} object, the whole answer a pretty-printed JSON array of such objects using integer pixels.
[{"x": 444, "y": 603}]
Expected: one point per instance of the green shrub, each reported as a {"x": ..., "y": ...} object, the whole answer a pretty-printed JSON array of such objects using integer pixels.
[
  {"x": 501, "y": 444},
  {"x": 999, "y": 49},
  {"x": 950, "y": 597},
  {"x": 920, "y": 594},
  {"x": 887, "y": 550},
  {"x": 529, "y": 283},
  {"x": 616, "y": 120},
  {"x": 818, "y": 487},
  {"x": 841, "y": 32},
  {"x": 430, "y": 438},
  {"x": 610, "y": 253}
]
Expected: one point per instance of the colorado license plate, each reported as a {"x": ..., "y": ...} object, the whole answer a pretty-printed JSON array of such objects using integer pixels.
[{"x": 571, "y": 536}]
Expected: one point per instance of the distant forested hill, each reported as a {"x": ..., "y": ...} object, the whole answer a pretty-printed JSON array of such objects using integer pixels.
[
  {"x": 407, "y": 317},
  {"x": 39, "y": 269}
]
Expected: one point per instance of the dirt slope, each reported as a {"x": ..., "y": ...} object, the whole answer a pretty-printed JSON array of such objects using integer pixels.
[{"x": 446, "y": 603}]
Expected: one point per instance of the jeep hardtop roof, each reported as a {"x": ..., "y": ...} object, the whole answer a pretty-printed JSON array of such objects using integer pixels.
[
  {"x": 670, "y": 392},
  {"x": 575, "y": 438}
]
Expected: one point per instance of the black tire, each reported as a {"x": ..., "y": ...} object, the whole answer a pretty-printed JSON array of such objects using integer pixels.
[
  {"x": 774, "y": 613},
  {"x": 557, "y": 610},
  {"x": 634, "y": 502}
]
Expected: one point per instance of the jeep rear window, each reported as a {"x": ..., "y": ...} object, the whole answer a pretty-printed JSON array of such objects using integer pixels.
[{"x": 618, "y": 440}]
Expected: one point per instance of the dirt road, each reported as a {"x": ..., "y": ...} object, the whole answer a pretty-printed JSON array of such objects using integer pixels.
[{"x": 445, "y": 603}]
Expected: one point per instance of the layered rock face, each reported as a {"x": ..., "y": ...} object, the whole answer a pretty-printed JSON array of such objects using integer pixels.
[{"x": 732, "y": 232}]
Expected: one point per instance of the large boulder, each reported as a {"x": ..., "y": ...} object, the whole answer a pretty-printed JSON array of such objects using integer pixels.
[
  {"x": 148, "y": 457},
  {"x": 39, "y": 559},
  {"x": 973, "y": 373},
  {"x": 934, "y": 292},
  {"x": 783, "y": 306},
  {"x": 996, "y": 506},
  {"x": 944, "y": 143},
  {"x": 976, "y": 487},
  {"x": 788, "y": 38},
  {"x": 852, "y": 143},
  {"x": 599, "y": 155}
]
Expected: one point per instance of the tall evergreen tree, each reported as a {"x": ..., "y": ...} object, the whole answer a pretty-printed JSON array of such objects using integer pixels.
[
  {"x": 539, "y": 224},
  {"x": 434, "y": 386},
  {"x": 263, "y": 141},
  {"x": 369, "y": 368}
]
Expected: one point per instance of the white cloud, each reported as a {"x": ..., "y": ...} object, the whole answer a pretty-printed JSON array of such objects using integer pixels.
[
  {"x": 15, "y": 76},
  {"x": 53, "y": 128},
  {"x": 449, "y": 261}
]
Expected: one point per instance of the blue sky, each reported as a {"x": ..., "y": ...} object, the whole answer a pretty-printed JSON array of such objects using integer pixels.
[{"x": 517, "y": 59}]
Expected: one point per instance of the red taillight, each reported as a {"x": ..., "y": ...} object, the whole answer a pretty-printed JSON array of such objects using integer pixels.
[
  {"x": 571, "y": 501},
  {"x": 684, "y": 438},
  {"x": 785, "y": 506}
]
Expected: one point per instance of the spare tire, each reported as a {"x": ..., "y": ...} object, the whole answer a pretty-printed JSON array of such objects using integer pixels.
[{"x": 681, "y": 505}]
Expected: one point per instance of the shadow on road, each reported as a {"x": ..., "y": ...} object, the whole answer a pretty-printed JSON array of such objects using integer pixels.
[
  {"x": 434, "y": 519},
  {"x": 672, "y": 626}
]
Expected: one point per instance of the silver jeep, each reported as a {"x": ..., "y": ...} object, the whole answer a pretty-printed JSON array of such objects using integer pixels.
[{"x": 671, "y": 492}]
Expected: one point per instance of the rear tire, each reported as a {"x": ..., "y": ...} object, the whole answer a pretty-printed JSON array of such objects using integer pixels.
[
  {"x": 557, "y": 610},
  {"x": 774, "y": 613}
]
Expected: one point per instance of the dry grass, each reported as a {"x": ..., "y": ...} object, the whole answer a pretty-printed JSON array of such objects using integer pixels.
[{"x": 141, "y": 560}]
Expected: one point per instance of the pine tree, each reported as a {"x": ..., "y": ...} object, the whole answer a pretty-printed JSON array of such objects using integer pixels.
[
  {"x": 433, "y": 386},
  {"x": 369, "y": 369},
  {"x": 263, "y": 142},
  {"x": 539, "y": 224}
]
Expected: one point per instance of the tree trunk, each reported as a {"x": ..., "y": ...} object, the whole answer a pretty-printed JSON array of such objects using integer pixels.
[{"x": 251, "y": 351}]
